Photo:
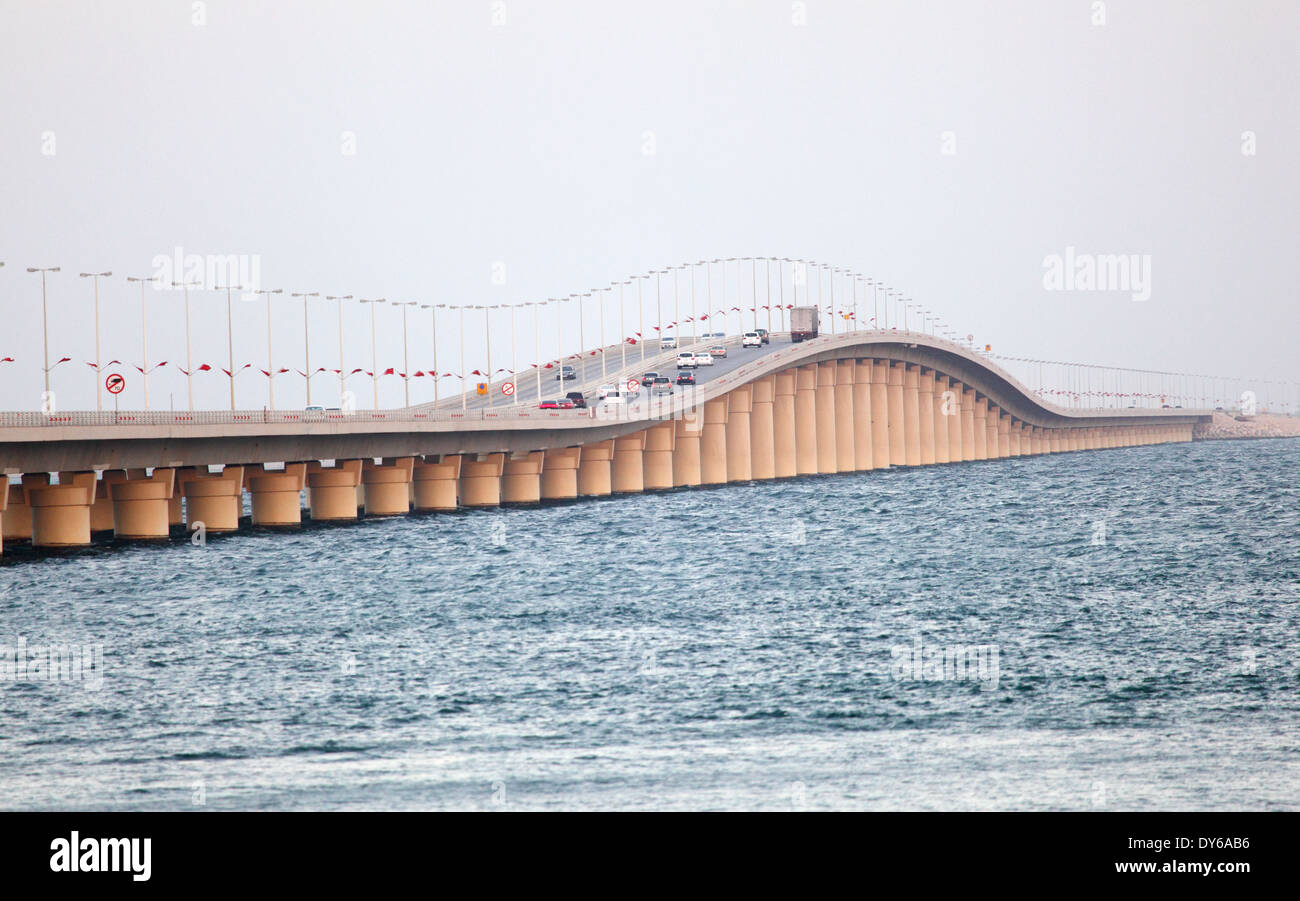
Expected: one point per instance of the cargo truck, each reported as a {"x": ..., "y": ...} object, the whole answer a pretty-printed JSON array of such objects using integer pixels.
[{"x": 803, "y": 323}]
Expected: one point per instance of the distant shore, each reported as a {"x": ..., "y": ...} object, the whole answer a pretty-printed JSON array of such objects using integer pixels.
[{"x": 1261, "y": 425}]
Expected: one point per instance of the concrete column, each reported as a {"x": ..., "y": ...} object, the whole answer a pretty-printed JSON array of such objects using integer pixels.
[
  {"x": 880, "y": 432},
  {"x": 388, "y": 487},
  {"x": 805, "y": 420},
  {"x": 332, "y": 492},
  {"x": 739, "y": 410},
  {"x": 897, "y": 426},
  {"x": 17, "y": 524},
  {"x": 713, "y": 443},
  {"x": 660, "y": 442},
  {"x": 762, "y": 449},
  {"x": 480, "y": 479},
  {"x": 827, "y": 452},
  {"x": 863, "y": 456},
  {"x": 1014, "y": 437},
  {"x": 991, "y": 422},
  {"x": 845, "y": 375},
  {"x": 4, "y": 502},
  {"x": 175, "y": 504},
  {"x": 686, "y": 450},
  {"x": 952, "y": 405},
  {"x": 560, "y": 474},
  {"x": 60, "y": 514},
  {"x": 628, "y": 469},
  {"x": 216, "y": 500},
  {"x": 521, "y": 478},
  {"x": 1056, "y": 441},
  {"x": 101, "y": 510},
  {"x": 276, "y": 495},
  {"x": 925, "y": 414},
  {"x": 968, "y": 424},
  {"x": 595, "y": 469},
  {"x": 911, "y": 415},
  {"x": 141, "y": 507},
  {"x": 437, "y": 483},
  {"x": 939, "y": 426},
  {"x": 784, "y": 440},
  {"x": 980, "y": 429}
]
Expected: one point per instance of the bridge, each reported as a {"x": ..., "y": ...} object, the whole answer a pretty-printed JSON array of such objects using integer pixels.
[{"x": 851, "y": 402}]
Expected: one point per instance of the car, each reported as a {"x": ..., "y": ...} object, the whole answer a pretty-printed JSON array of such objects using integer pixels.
[
  {"x": 566, "y": 373},
  {"x": 556, "y": 403},
  {"x": 719, "y": 350},
  {"x": 661, "y": 385},
  {"x": 578, "y": 400},
  {"x": 751, "y": 339},
  {"x": 762, "y": 333},
  {"x": 704, "y": 358},
  {"x": 313, "y": 408},
  {"x": 717, "y": 335},
  {"x": 648, "y": 379},
  {"x": 613, "y": 397},
  {"x": 686, "y": 360},
  {"x": 686, "y": 378},
  {"x": 606, "y": 390},
  {"x": 669, "y": 343}
]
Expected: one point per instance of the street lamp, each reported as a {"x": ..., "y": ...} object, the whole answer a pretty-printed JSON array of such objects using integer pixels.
[
  {"x": 339, "y": 298},
  {"x": 406, "y": 359},
  {"x": 230, "y": 338},
  {"x": 45, "y": 323},
  {"x": 189, "y": 360},
  {"x": 306, "y": 341},
  {"x": 270, "y": 365},
  {"x": 144, "y": 336},
  {"x": 374, "y": 361},
  {"x": 433, "y": 322},
  {"x": 99, "y": 387}
]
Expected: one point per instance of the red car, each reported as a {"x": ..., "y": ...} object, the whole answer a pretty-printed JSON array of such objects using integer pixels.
[{"x": 558, "y": 403}]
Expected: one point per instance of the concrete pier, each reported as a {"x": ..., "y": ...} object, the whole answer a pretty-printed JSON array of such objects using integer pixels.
[
  {"x": 277, "y": 495},
  {"x": 388, "y": 487},
  {"x": 628, "y": 467},
  {"x": 657, "y": 459},
  {"x": 880, "y": 443},
  {"x": 61, "y": 513},
  {"x": 784, "y": 429},
  {"x": 739, "y": 412},
  {"x": 805, "y": 420},
  {"x": 142, "y": 507},
  {"x": 827, "y": 433},
  {"x": 560, "y": 474},
  {"x": 521, "y": 479},
  {"x": 686, "y": 450},
  {"x": 436, "y": 480},
  {"x": 762, "y": 447},
  {"x": 845, "y": 456},
  {"x": 216, "y": 500},
  {"x": 596, "y": 469},
  {"x": 713, "y": 443},
  {"x": 480, "y": 479}
]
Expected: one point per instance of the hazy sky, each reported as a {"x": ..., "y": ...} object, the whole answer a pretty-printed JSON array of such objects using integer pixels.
[{"x": 946, "y": 148}]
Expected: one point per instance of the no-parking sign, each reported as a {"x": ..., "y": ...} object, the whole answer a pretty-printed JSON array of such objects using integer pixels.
[{"x": 115, "y": 383}]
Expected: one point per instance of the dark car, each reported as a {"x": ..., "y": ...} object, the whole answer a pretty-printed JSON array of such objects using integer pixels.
[
  {"x": 577, "y": 398},
  {"x": 686, "y": 378},
  {"x": 566, "y": 373},
  {"x": 762, "y": 333},
  {"x": 649, "y": 379}
]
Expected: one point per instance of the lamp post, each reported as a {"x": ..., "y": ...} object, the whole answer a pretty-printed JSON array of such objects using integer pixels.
[
  {"x": 230, "y": 339},
  {"x": 306, "y": 341},
  {"x": 338, "y": 298},
  {"x": 270, "y": 364},
  {"x": 487, "y": 341},
  {"x": 622, "y": 324},
  {"x": 374, "y": 356},
  {"x": 99, "y": 386},
  {"x": 144, "y": 336},
  {"x": 189, "y": 361},
  {"x": 45, "y": 321},
  {"x": 433, "y": 322},
  {"x": 537, "y": 342},
  {"x": 406, "y": 358},
  {"x": 514, "y": 353},
  {"x": 640, "y": 299}
]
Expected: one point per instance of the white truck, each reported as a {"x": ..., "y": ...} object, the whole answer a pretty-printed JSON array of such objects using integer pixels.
[{"x": 803, "y": 323}]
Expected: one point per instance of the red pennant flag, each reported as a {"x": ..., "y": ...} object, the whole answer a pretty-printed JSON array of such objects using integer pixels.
[
  {"x": 389, "y": 371},
  {"x": 204, "y": 367}
]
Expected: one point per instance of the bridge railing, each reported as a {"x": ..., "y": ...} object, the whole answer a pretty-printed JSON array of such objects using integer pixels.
[{"x": 287, "y": 417}]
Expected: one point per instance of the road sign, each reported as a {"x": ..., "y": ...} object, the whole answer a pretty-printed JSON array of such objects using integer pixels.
[
  {"x": 482, "y": 387},
  {"x": 115, "y": 383},
  {"x": 508, "y": 388},
  {"x": 633, "y": 386}
]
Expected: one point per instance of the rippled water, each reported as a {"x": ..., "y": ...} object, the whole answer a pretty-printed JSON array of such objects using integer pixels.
[{"x": 724, "y": 648}]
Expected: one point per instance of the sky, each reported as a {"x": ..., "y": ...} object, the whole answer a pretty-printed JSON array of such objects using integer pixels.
[{"x": 479, "y": 153}]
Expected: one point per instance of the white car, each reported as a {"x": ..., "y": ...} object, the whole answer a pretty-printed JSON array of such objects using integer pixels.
[
  {"x": 686, "y": 360},
  {"x": 719, "y": 351},
  {"x": 605, "y": 391},
  {"x": 668, "y": 343},
  {"x": 751, "y": 339},
  {"x": 704, "y": 358}
]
